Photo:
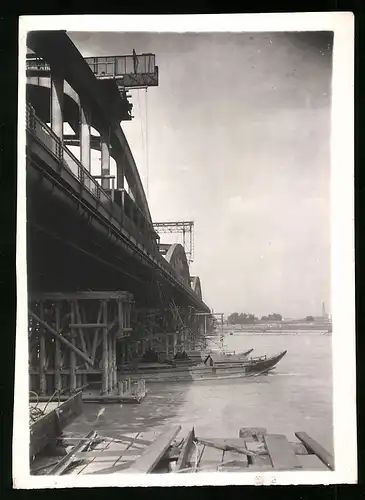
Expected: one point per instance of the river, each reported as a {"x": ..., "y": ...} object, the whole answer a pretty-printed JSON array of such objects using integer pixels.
[{"x": 297, "y": 396}]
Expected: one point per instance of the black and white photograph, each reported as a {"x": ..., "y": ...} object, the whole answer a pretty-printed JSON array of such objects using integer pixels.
[{"x": 185, "y": 251}]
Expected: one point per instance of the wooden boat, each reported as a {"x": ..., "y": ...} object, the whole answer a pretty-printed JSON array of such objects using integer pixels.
[
  {"x": 149, "y": 452},
  {"x": 263, "y": 364},
  {"x": 210, "y": 369}
]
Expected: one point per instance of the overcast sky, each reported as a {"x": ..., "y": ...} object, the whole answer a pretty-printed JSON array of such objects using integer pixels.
[{"x": 238, "y": 138}]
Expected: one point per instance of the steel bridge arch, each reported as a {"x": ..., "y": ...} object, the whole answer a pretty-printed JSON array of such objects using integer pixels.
[
  {"x": 56, "y": 48},
  {"x": 176, "y": 257}
]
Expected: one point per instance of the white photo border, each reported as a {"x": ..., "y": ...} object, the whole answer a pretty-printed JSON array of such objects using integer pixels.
[{"x": 342, "y": 245}]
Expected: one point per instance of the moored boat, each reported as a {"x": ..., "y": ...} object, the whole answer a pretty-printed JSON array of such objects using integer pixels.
[{"x": 209, "y": 369}]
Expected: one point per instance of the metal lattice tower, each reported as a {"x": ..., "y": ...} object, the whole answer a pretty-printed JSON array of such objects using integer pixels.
[{"x": 186, "y": 228}]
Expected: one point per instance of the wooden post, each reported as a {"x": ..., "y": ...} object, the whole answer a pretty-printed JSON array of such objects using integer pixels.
[
  {"x": 167, "y": 344},
  {"x": 174, "y": 343},
  {"x": 81, "y": 333},
  {"x": 110, "y": 364},
  {"x": 114, "y": 347},
  {"x": 73, "y": 377},
  {"x": 42, "y": 357},
  {"x": 120, "y": 314},
  {"x": 105, "y": 357},
  {"x": 96, "y": 334},
  {"x": 58, "y": 382}
]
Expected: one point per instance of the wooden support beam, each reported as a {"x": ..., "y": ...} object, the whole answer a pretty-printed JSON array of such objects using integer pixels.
[
  {"x": 61, "y": 338},
  {"x": 96, "y": 334},
  {"x": 42, "y": 358},
  {"x": 105, "y": 357},
  {"x": 313, "y": 447},
  {"x": 57, "y": 362},
  {"x": 76, "y": 313},
  {"x": 120, "y": 314},
  {"x": 110, "y": 364},
  {"x": 115, "y": 376}
]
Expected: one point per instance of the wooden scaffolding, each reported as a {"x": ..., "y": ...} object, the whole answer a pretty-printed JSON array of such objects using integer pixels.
[{"x": 75, "y": 339}]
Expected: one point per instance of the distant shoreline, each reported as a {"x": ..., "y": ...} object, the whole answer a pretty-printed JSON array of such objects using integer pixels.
[{"x": 277, "y": 327}]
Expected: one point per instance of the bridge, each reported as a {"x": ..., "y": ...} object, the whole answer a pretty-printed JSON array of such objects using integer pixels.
[{"x": 102, "y": 288}]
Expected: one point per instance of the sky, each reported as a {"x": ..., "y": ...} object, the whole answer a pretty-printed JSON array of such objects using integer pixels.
[{"x": 236, "y": 137}]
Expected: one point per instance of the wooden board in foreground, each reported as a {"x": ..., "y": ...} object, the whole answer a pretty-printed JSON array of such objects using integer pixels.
[
  {"x": 186, "y": 450},
  {"x": 281, "y": 452},
  {"x": 152, "y": 455},
  {"x": 318, "y": 450}
]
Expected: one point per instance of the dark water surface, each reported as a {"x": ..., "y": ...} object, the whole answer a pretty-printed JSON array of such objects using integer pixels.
[{"x": 297, "y": 396}]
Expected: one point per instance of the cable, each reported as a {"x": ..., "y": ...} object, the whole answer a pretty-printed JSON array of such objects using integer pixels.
[
  {"x": 141, "y": 124},
  {"x": 146, "y": 114}
]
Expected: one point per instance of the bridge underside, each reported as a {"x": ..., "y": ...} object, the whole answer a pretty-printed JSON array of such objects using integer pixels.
[{"x": 68, "y": 252}]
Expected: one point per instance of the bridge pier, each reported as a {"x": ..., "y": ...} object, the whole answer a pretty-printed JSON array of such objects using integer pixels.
[
  {"x": 85, "y": 150},
  {"x": 105, "y": 160},
  {"x": 56, "y": 107}
]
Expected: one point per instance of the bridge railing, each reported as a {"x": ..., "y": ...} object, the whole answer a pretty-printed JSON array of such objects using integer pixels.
[{"x": 132, "y": 219}]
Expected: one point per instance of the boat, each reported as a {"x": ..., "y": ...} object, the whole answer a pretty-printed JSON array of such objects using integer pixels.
[
  {"x": 211, "y": 368},
  {"x": 263, "y": 364}
]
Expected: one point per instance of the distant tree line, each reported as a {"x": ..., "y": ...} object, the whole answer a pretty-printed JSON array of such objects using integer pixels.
[
  {"x": 241, "y": 318},
  {"x": 248, "y": 318},
  {"x": 272, "y": 317}
]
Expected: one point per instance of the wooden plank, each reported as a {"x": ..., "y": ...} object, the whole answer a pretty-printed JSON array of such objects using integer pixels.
[
  {"x": 281, "y": 452},
  {"x": 118, "y": 464},
  {"x": 211, "y": 458},
  {"x": 69, "y": 410},
  {"x": 89, "y": 463},
  {"x": 66, "y": 461},
  {"x": 314, "y": 447},
  {"x": 225, "y": 445},
  {"x": 150, "y": 458},
  {"x": 186, "y": 450},
  {"x": 232, "y": 459},
  {"x": 51, "y": 425},
  {"x": 107, "y": 453}
]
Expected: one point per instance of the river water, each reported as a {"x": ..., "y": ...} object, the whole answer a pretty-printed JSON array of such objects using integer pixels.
[{"x": 297, "y": 396}]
